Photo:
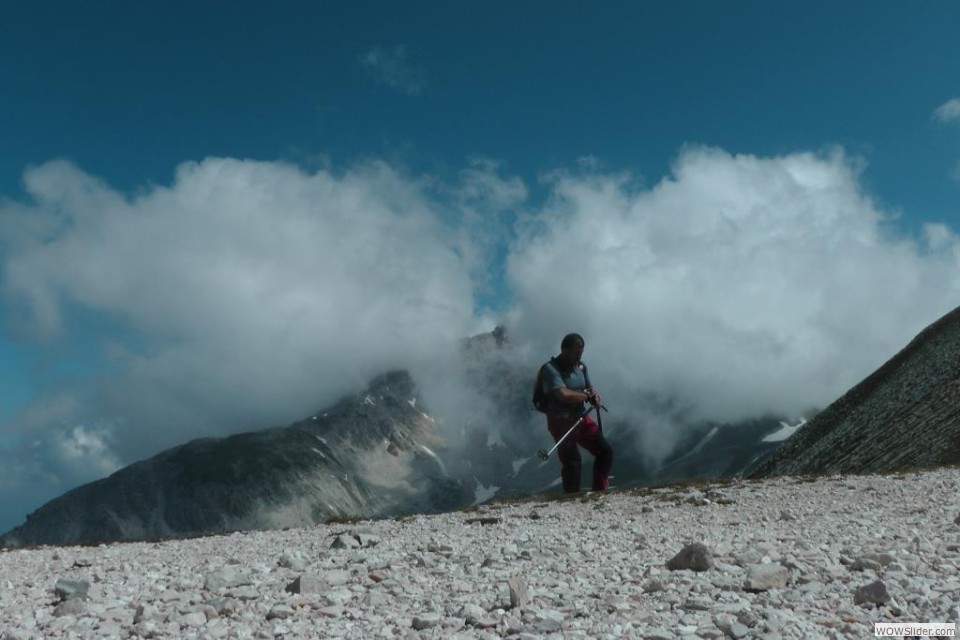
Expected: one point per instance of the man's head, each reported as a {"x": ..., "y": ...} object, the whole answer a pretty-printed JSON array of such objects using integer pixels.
[{"x": 571, "y": 347}]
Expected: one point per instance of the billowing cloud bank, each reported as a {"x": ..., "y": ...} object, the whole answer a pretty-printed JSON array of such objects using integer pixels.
[
  {"x": 249, "y": 293},
  {"x": 735, "y": 287}
]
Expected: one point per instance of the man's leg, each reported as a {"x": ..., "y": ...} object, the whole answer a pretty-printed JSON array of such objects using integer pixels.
[
  {"x": 593, "y": 441},
  {"x": 567, "y": 452}
]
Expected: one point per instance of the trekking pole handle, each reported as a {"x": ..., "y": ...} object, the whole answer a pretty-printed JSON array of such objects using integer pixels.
[{"x": 602, "y": 406}]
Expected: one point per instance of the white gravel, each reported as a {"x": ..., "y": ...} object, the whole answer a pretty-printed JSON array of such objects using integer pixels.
[{"x": 790, "y": 558}]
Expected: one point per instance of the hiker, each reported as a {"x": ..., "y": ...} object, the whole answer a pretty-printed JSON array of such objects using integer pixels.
[{"x": 566, "y": 386}]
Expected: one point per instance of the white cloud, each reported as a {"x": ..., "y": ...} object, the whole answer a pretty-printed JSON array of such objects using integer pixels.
[
  {"x": 736, "y": 286},
  {"x": 939, "y": 235},
  {"x": 86, "y": 448},
  {"x": 395, "y": 68},
  {"x": 949, "y": 111},
  {"x": 259, "y": 293},
  {"x": 487, "y": 205}
]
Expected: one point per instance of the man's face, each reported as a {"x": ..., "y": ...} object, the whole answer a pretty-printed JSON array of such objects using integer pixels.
[{"x": 574, "y": 353}]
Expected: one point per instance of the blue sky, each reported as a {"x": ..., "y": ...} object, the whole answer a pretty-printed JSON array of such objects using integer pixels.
[{"x": 483, "y": 135}]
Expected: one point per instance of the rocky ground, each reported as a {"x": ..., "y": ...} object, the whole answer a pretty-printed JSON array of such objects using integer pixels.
[{"x": 779, "y": 558}]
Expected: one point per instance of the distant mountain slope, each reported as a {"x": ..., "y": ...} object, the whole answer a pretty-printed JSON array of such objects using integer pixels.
[
  {"x": 370, "y": 454},
  {"x": 905, "y": 415},
  {"x": 723, "y": 452}
]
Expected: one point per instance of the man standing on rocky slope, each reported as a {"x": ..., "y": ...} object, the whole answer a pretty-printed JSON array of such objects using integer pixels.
[{"x": 566, "y": 385}]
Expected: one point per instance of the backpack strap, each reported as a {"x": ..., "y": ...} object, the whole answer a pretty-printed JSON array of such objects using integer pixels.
[
  {"x": 580, "y": 365},
  {"x": 551, "y": 362}
]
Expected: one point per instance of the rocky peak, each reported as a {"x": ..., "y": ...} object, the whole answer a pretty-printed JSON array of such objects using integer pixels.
[
  {"x": 397, "y": 384},
  {"x": 371, "y": 454}
]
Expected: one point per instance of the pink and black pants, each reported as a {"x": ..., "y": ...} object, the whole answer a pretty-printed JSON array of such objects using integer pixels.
[{"x": 588, "y": 436}]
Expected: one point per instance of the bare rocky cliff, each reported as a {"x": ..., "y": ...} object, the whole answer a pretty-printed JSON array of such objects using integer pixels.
[{"x": 904, "y": 416}]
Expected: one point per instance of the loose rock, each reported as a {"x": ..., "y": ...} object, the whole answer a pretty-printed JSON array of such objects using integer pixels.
[
  {"x": 695, "y": 557},
  {"x": 225, "y": 578},
  {"x": 307, "y": 583},
  {"x": 72, "y": 589},
  {"x": 518, "y": 592},
  {"x": 71, "y": 607},
  {"x": 280, "y": 612},
  {"x": 873, "y": 593},
  {"x": 761, "y": 577},
  {"x": 345, "y": 542},
  {"x": 425, "y": 621}
]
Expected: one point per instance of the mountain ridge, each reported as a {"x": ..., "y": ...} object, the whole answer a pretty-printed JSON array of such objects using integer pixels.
[
  {"x": 303, "y": 473},
  {"x": 902, "y": 416},
  {"x": 375, "y": 453}
]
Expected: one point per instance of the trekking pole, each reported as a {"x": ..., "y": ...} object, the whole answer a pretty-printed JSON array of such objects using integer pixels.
[
  {"x": 600, "y": 415},
  {"x": 545, "y": 455}
]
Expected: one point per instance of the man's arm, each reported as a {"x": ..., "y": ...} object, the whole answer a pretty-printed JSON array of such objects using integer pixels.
[
  {"x": 569, "y": 396},
  {"x": 554, "y": 386}
]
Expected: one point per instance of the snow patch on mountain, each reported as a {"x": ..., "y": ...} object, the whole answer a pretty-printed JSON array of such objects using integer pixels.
[
  {"x": 433, "y": 455},
  {"x": 518, "y": 464},
  {"x": 704, "y": 441},
  {"x": 785, "y": 431},
  {"x": 482, "y": 493},
  {"x": 494, "y": 438}
]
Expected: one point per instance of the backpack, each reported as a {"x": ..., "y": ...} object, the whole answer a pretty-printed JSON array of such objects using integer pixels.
[{"x": 539, "y": 397}]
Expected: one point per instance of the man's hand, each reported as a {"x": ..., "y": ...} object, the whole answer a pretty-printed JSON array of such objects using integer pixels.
[{"x": 593, "y": 396}]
